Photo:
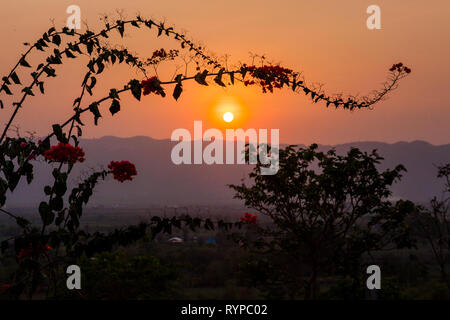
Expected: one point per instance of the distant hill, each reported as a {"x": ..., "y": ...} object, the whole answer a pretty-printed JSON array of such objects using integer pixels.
[{"x": 160, "y": 182}]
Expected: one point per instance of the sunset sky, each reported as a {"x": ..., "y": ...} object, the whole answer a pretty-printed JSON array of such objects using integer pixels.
[{"x": 327, "y": 40}]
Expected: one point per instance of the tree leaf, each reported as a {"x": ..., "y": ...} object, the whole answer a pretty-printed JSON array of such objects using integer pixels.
[
  {"x": 232, "y": 77},
  {"x": 57, "y": 130},
  {"x": 56, "y": 39},
  {"x": 6, "y": 89},
  {"x": 93, "y": 107},
  {"x": 49, "y": 71},
  {"x": 201, "y": 77},
  {"x": 48, "y": 190},
  {"x": 93, "y": 82},
  {"x": 46, "y": 213},
  {"x": 100, "y": 66},
  {"x": 15, "y": 78},
  {"x": 28, "y": 91},
  {"x": 41, "y": 87},
  {"x": 90, "y": 46},
  {"x": 45, "y": 37},
  {"x": 115, "y": 107},
  {"x": 24, "y": 63},
  {"x": 22, "y": 222},
  {"x": 218, "y": 78},
  {"x": 136, "y": 88},
  {"x": 69, "y": 54},
  {"x": 177, "y": 91},
  {"x": 56, "y": 203},
  {"x": 121, "y": 30}
]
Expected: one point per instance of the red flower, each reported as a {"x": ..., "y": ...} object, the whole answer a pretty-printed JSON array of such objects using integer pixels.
[
  {"x": 249, "y": 218},
  {"x": 122, "y": 170},
  {"x": 161, "y": 53},
  {"x": 152, "y": 85},
  {"x": 24, "y": 253},
  {"x": 269, "y": 77},
  {"x": 4, "y": 287},
  {"x": 38, "y": 249},
  {"x": 23, "y": 145},
  {"x": 400, "y": 68},
  {"x": 31, "y": 156},
  {"x": 65, "y": 153}
]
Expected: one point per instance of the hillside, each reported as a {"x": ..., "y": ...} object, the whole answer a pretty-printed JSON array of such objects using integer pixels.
[{"x": 160, "y": 182}]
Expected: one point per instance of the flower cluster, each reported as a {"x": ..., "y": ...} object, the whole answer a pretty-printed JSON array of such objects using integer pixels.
[
  {"x": 31, "y": 156},
  {"x": 269, "y": 77},
  {"x": 122, "y": 170},
  {"x": 28, "y": 150},
  {"x": 33, "y": 250},
  {"x": 249, "y": 218},
  {"x": 65, "y": 153},
  {"x": 152, "y": 85},
  {"x": 4, "y": 287},
  {"x": 161, "y": 53},
  {"x": 400, "y": 68}
]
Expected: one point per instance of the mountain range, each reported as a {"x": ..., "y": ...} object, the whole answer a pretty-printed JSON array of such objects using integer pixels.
[{"x": 161, "y": 183}]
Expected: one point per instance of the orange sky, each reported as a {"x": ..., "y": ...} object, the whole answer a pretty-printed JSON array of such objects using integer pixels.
[{"x": 327, "y": 40}]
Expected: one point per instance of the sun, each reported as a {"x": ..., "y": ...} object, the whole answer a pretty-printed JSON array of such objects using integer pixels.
[
  {"x": 228, "y": 116},
  {"x": 227, "y": 111}
]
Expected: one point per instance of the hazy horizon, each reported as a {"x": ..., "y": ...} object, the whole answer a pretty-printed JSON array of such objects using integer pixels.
[
  {"x": 160, "y": 181},
  {"x": 281, "y": 142}
]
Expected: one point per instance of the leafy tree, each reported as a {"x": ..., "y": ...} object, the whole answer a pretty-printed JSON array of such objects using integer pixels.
[
  {"x": 327, "y": 211},
  {"x": 434, "y": 224}
]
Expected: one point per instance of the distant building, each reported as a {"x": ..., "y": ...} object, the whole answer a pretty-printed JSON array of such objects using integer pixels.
[{"x": 175, "y": 240}]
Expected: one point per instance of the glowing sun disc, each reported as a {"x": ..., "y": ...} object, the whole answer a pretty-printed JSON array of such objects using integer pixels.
[{"x": 228, "y": 117}]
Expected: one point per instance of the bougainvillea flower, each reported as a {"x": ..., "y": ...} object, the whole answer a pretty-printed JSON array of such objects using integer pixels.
[
  {"x": 269, "y": 77},
  {"x": 122, "y": 170},
  {"x": 31, "y": 156},
  {"x": 65, "y": 153},
  {"x": 24, "y": 253},
  {"x": 161, "y": 53},
  {"x": 4, "y": 287},
  {"x": 400, "y": 68},
  {"x": 249, "y": 218},
  {"x": 37, "y": 250},
  {"x": 152, "y": 85}
]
